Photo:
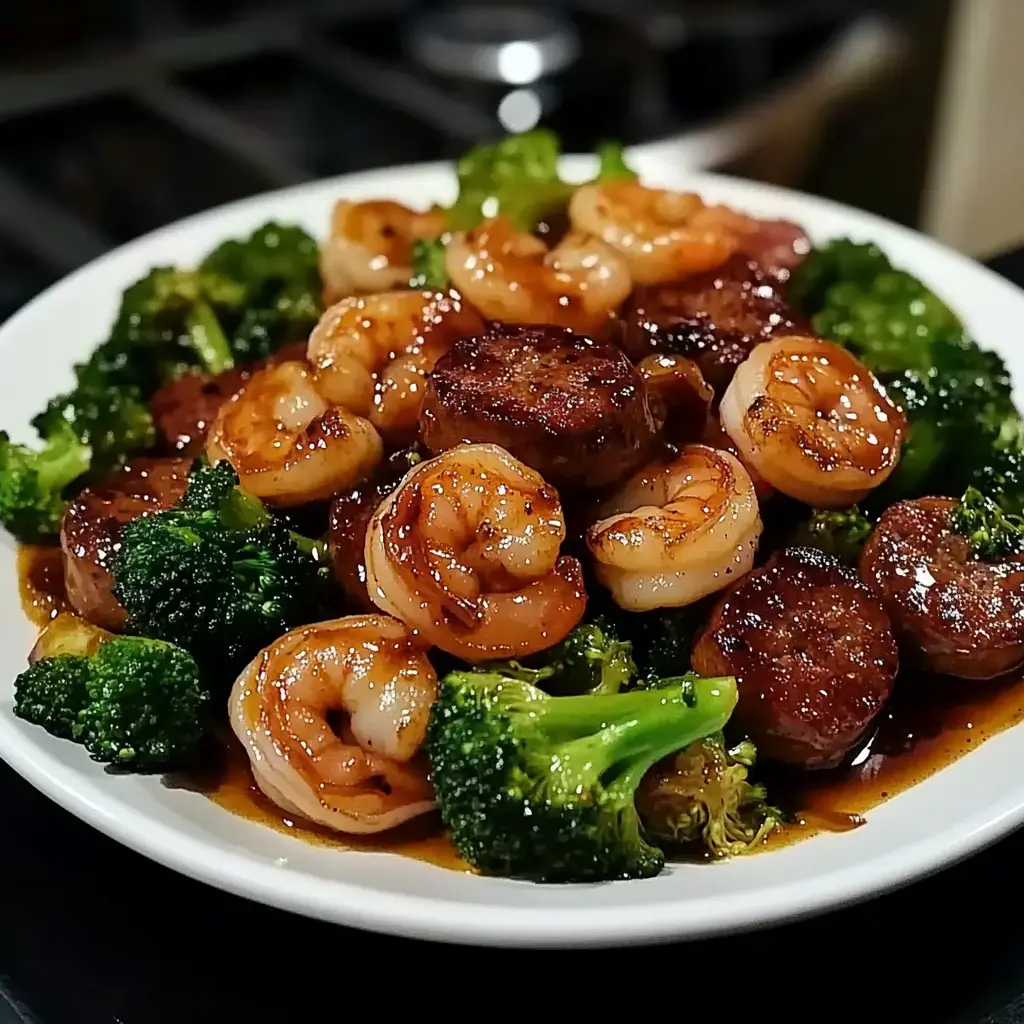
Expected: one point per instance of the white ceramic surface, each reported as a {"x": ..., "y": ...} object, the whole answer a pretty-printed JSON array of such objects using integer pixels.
[{"x": 945, "y": 818}]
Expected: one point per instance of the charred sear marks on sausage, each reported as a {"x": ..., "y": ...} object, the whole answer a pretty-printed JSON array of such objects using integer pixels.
[
  {"x": 714, "y": 318},
  {"x": 813, "y": 653},
  {"x": 570, "y": 407},
  {"x": 961, "y": 615}
]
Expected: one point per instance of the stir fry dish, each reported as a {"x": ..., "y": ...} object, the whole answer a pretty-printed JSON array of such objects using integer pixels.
[{"x": 575, "y": 522}]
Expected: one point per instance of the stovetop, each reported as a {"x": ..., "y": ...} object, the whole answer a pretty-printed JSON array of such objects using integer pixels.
[{"x": 119, "y": 117}]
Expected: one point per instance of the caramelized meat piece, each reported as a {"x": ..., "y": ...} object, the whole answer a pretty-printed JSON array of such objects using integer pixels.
[
  {"x": 715, "y": 318},
  {"x": 963, "y": 615},
  {"x": 570, "y": 407},
  {"x": 813, "y": 654},
  {"x": 91, "y": 529},
  {"x": 184, "y": 409},
  {"x": 349, "y": 520}
]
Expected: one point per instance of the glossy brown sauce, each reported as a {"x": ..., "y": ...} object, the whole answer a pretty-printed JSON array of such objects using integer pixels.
[
  {"x": 929, "y": 724},
  {"x": 229, "y": 783},
  {"x": 41, "y": 583}
]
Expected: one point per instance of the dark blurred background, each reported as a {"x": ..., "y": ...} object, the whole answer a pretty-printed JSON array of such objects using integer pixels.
[{"x": 118, "y": 116}]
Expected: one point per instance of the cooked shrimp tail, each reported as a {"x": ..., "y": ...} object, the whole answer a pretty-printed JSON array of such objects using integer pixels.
[
  {"x": 364, "y": 775},
  {"x": 813, "y": 421},
  {"x": 288, "y": 445},
  {"x": 372, "y": 354},
  {"x": 677, "y": 532},
  {"x": 466, "y": 551}
]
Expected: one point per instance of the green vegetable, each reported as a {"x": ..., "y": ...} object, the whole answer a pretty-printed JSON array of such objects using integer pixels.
[
  {"x": 278, "y": 267},
  {"x": 88, "y": 432},
  {"x": 428, "y": 269},
  {"x": 112, "y": 422},
  {"x": 1001, "y": 477},
  {"x": 612, "y": 164},
  {"x": 660, "y": 641},
  {"x": 135, "y": 703},
  {"x": 540, "y": 787},
  {"x": 703, "y": 795},
  {"x": 586, "y": 661},
  {"x": 247, "y": 298},
  {"x": 839, "y": 532},
  {"x": 217, "y": 575},
  {"x": 518, "y": 178},
  {"x": 32, "y": 484},
  {"x": 957, "y": 396},
  {"x": 992, "y": 532}
]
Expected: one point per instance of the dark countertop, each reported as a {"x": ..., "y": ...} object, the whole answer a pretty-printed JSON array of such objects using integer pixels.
[{"x": 91, "y": 933}]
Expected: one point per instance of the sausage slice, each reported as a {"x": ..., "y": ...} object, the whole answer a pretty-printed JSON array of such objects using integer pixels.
[
  {"x": 714, "y": 318},
  {"x": 91, "y": 528},
  {"x": 813, "y": 654},
  {"x": 568, "y": 406},
  {"x": 964, "y": 616}
]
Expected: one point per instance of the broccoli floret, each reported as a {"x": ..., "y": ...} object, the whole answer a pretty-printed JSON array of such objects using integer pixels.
[
  {"x": 172, "y": 319},
  {"x": 217, "y": 575},
  {"x": 660, "y": 641},
  {"x": 88, "y": 432},
  {"x": 52, "y": 693},
  {"x": 703, "y": 795},
  {"x": 33, "y": 483},
  {"x": 246, "y": 299},
  {"x": 275, "y": 259},
  {"x": 586, "y": 661},
  {"x": 839, "y": 532},
  {"x": 1001, "y": 477},
  {"x": 113, "y": 422},
  {"x": 136, "y": 703},
  {"x": 992, "y": 532},
  {"x": 518, "y": 178},
  {"x": 540, "y": 787},
  {"x": 278, "y": 269},
  {"x": 957, "y": 396},
  {"x": 428, "y": 269}
]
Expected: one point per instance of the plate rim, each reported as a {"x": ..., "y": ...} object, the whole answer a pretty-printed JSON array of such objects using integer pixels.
[{"x": 449, "y": 921}]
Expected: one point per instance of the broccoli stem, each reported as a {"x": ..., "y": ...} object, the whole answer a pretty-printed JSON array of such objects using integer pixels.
[
  {"x": 58, "y": 467},
  {"x": 208, "y": 340},
  {"x": 316, "y": 549},
  {"x": 240, "y": 510},
  {"x": 632, "y": 731}
]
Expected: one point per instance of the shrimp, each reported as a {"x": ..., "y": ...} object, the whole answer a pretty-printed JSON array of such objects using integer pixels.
[
  {"x": 813, "y": 421},
  {"x": 372, "y": 354},
  {"x": 466, "y": 551},
  {"x": 677, "y": 532},
  {"x": 365, "y": 776},
  {"x": 514, "y": 277},
  {"x": 369, "y": 248},
  {"x": 679, "y": 394},
  {"x": 661, "y": 235},
  {"x": 286, "y": 443}
]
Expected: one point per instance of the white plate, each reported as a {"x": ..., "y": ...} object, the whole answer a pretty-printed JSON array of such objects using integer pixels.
[{"x": 952, "y": 814}]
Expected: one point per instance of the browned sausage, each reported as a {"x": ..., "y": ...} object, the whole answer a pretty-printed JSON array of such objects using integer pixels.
[
  {"x": 572, "y": 408},
  {"x": 349, "y": 520},
  {"x": 813, "y": 654},
  {"x": 184, "y": 409},
  {"x": 714, "y": 318},
  {"x": 963, "y": 615},
  {"x": 92, "y": 525}
]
